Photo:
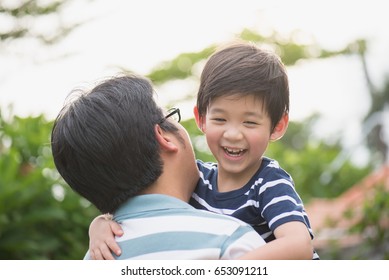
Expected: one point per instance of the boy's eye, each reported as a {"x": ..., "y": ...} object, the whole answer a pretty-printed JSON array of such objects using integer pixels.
[
  {"x": 218, "y": 119},
  {"x": 251, "y": 123}
]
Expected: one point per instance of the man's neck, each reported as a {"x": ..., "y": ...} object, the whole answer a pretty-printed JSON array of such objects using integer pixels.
[{"x": 171, "y": 186}]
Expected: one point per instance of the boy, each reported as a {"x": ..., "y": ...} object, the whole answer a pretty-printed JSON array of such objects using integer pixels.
[{"x": 242, "y": 105}]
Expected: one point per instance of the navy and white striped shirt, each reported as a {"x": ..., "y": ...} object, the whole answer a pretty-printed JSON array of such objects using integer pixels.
[{"x": 267, "y": 201}]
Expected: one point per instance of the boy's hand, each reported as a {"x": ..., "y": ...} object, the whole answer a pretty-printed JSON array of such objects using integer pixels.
[{"x": 102, "y": 238}]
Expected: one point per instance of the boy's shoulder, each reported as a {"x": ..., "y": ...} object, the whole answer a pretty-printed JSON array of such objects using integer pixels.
[
  {"x": 271, "y": 170},
  {"x": 206, "y": 165}
]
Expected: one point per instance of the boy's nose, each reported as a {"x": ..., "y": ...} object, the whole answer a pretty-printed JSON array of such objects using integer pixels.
[{"x": 233, "y": 133}]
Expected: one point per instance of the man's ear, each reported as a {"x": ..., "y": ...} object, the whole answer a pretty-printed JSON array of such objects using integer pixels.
[
  {"x": 280, "y": 128},
  {"x": 164, "y": 140},
  {"x": 199, "y": 120}
]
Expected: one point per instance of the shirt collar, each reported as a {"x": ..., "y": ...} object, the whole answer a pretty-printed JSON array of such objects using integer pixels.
[{"x": 147, "y": 203}]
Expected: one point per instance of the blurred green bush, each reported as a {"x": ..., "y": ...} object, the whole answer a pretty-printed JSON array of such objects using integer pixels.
[{"x": 40, "y": 216}]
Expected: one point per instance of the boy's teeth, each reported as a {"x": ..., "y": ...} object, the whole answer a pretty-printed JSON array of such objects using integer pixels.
[{"x": 233, "y": 151}]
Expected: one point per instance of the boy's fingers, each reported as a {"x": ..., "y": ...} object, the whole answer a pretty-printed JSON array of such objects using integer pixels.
[
  {"x": 116, "y": 228},
  {"x": 106, "y": 254},
  {"x": 96, "y": 255},
  {"x": 114, "y": 247}
]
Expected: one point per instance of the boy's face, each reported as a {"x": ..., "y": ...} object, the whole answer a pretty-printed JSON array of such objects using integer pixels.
[{"x": 238, "y": 130}]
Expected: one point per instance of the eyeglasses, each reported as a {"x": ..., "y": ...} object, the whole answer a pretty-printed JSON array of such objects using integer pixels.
[{"x": 173, "y": 113}]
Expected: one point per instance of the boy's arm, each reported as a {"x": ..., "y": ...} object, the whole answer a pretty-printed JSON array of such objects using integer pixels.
[
  {"x": 292, "y": 242},
  {"x": 102, "y": 242}
]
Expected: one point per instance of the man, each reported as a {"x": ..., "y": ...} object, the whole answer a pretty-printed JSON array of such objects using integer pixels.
[{"x": 115, "y": 147}]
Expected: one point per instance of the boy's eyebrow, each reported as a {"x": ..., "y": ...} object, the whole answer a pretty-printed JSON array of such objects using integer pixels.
[
  {"x": 216, "y": 110},
  {"x": 254, "y": 114},
  {"x": 247, "y": 114}
]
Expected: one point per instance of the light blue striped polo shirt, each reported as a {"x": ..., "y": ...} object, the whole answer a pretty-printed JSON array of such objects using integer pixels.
[{"x": 163, "y": 227}]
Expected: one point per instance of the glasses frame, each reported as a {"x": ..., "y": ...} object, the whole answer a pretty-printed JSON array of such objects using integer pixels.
[{"x": 171, "y": 112}]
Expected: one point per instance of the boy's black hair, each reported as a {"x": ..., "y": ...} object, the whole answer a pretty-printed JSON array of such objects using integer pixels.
[{"x": 244, "y": 69}]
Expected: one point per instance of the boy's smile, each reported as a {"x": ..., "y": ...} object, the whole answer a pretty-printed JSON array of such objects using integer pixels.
[{"x": 234, "y": 152}]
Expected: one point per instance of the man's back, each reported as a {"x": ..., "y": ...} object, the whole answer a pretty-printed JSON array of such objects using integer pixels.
[{"x": 162, "y": 227}]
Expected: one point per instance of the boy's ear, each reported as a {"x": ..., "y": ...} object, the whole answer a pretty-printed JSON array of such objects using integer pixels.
[
  {"x": 280, "y": 128},
  {"x": 165, "y": 140},
  {"x": 199, "y": 120}
]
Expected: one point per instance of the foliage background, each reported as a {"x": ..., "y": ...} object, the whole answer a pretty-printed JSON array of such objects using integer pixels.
[{"x": 42, "y": 218}]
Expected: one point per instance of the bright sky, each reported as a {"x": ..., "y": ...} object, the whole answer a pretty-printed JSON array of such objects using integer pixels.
[{"x": 140, "y": 34}]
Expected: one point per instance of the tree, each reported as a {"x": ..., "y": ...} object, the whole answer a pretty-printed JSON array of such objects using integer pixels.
[
  {"x": 376, "y": 124},
  {"x": 23, "y": 17},
  {"x": 40, "y": 217}
]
